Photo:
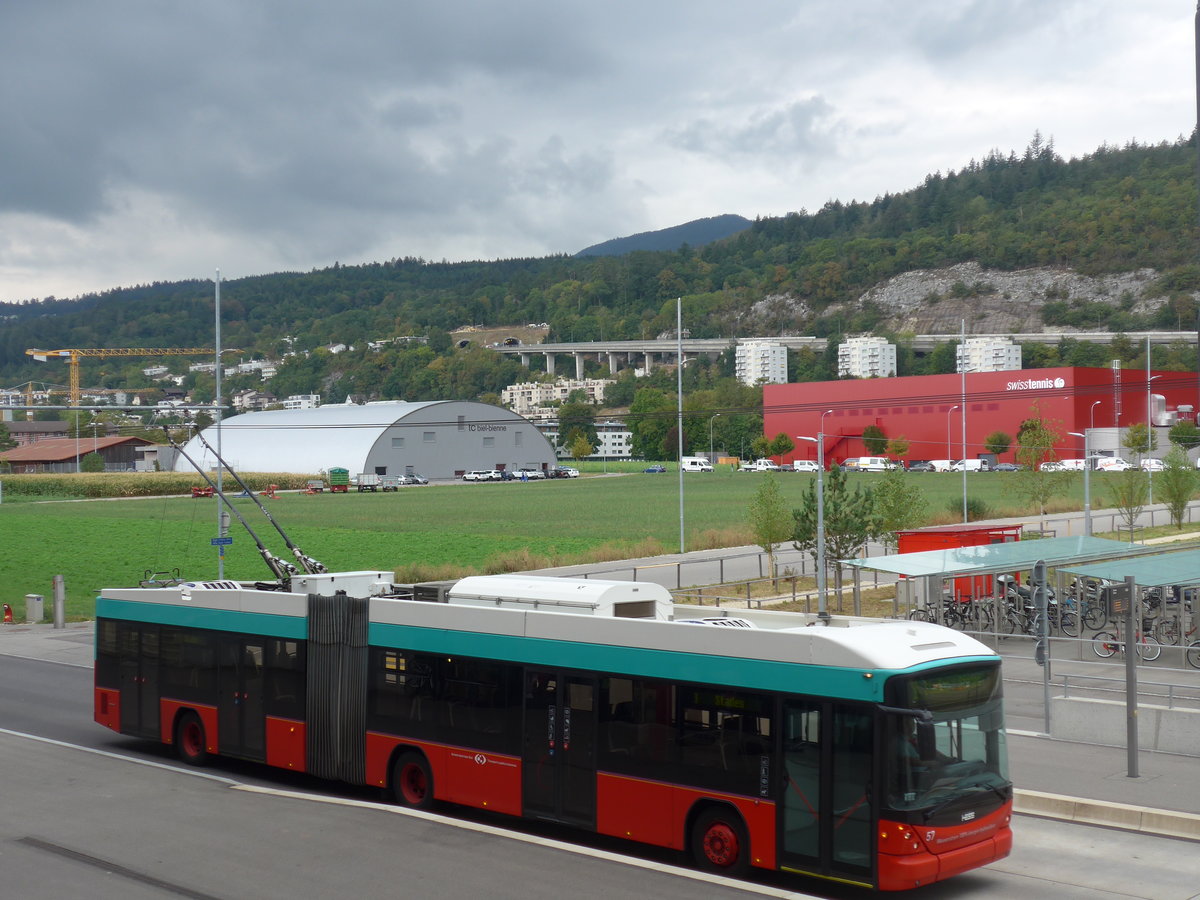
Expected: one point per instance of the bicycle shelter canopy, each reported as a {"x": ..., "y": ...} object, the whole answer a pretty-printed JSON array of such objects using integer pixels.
[
  {"x": 926, "y": 566},
  {"x": 1014, "y": 556},
  {"x": 1169, "y": 568}
]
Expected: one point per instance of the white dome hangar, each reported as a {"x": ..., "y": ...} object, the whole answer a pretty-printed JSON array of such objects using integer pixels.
[{"x": 436, "y": 439}]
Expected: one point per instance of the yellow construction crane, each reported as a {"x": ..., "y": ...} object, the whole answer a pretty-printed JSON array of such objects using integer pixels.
[{"x": 74, "y": 355}]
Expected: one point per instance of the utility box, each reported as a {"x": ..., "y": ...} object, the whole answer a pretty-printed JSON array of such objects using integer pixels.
[
  {"x": 35, "y": 608},
  {"x": 940, "y": 537}
]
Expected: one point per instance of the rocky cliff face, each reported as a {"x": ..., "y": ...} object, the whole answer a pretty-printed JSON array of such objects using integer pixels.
[{"x": 935, "y": 301}]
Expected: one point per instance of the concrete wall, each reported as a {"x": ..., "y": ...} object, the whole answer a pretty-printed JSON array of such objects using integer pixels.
[{"x": 1104, "y": 721}]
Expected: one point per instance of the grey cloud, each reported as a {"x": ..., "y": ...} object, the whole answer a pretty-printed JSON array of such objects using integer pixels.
[{"x": 800, "y": 129}]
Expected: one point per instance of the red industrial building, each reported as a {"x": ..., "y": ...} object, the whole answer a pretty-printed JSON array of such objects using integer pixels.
[{"x": 925, "y": 410}]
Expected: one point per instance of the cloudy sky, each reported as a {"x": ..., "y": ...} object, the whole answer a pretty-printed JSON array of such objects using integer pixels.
[{"x": 153, "y": 140}]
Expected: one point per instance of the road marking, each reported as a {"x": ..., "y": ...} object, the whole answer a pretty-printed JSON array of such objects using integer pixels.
[
  {"x": 110, "y": 755},
  {"x": 578, "y": 850},
  {"x": 111, "y": 868},
  {"x": 478, "y": 827}
]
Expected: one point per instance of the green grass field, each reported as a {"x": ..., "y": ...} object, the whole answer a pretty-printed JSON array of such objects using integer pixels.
[{"x": 421, "y": 532}]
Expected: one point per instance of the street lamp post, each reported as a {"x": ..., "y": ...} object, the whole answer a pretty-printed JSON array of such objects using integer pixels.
[
  {"x": 822, "y": 606},
  {"x": 710, "y": 440},
  {"x": 1087, "y": 481},
  {"x": 949, "y": 456}
]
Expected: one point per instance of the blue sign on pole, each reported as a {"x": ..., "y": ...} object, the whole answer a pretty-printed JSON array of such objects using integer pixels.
[{"x": 221, "y": 541}]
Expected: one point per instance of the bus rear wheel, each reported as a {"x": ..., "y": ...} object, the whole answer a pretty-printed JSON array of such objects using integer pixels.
[
  {"x": 719, "y": 843},
  {"x": 412, "y": 781},
  {"x": 190, "y": 742}
]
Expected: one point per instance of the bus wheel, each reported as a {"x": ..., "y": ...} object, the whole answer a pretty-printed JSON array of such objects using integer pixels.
[
  {"x": 189, "y": 740},
  {"x": 412, "y": 781},
  {"x": 719, "y": 842}
]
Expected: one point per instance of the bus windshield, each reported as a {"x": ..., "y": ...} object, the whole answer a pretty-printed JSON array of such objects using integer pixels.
[{"x": 959, "y": 751}]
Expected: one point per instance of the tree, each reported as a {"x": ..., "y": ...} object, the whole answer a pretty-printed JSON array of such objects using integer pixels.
[
  {"x": 651, "y": 416},
  {"x": 580, "y": 446},
  {"x": 760, "y": 447},
  {"x": 769, "y": 518},
  {"x": 92, "y": 462},
  {"x": 7, "y": 442},
  {"x": 1128, "y": 492},
  {"x": 780, "y": 445},
  {"x": 1184, "y": 434},
  {"x": 897, "y": 447},
  {"x": 874, "y": 440},
  {"x": 1140, "y": 439},
  {"x": 1177, "y": 484},
  {"x": 850, "y": 521},
  {"x": 1036, "y": 440},
  {"x": 997, "y": 442},
  {"x": 900, "y": 504}
]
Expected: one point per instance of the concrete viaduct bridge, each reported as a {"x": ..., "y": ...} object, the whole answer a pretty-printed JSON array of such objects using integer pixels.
[{"x": 650, "y": 352}]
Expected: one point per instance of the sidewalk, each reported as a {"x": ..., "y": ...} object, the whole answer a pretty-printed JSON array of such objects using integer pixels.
[{"x": 1083, "y": 783}]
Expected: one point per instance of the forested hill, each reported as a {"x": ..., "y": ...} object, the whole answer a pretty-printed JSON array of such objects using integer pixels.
[
  {"x": 1113, "y": 210},
  {"x": 698, "y": 233}
]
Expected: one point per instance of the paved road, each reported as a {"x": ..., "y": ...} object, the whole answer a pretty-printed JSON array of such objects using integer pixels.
[{"x": 94, "y": 801}]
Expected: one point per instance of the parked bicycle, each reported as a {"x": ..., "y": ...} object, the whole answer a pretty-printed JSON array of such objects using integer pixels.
[
  {"x": 1105, "y": 644},
  {"x": 1169, "y": 631}
]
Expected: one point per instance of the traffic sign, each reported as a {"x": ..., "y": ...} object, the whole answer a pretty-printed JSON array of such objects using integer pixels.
[{"x": 221, "y": 541}]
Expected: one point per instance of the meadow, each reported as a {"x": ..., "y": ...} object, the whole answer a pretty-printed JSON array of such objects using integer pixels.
[{"x": 437, "y": 531}]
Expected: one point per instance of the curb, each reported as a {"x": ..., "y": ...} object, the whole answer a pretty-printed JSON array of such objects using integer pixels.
[{"x": 1161, "y": 822}]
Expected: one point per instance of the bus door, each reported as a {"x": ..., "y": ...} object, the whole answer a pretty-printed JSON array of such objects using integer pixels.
[
  {"x": 137, "y": 649},
  {"x": 240, "y": 723},
  {"x": 827, "y": 810},
  {"x": 558, "y": 779}
]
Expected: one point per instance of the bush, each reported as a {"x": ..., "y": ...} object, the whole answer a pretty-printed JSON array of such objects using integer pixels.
[{"x": 976, "y": 509}]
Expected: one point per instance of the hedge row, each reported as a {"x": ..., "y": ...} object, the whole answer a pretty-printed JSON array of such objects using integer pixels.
[{"x": 135, "y": 484}]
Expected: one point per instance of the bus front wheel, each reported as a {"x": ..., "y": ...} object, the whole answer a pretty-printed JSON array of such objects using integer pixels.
[
  {"x": 190, "y": 741},
  {"x": 412, "y": 781},
  {"x": 719, "y": 842}
]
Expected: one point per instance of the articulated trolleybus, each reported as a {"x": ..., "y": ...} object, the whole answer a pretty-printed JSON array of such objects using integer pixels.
[{"x": 871, "y": 754}]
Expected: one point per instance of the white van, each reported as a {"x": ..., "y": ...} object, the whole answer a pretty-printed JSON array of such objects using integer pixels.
[
  {"x": 971, "y": 465},
  {"x": 695, "y": 464},
  {"x": 870, "y": 464}
]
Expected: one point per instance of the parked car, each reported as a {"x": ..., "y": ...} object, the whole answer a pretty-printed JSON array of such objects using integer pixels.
[
  {"x": 1153, "y": 464},
  {"x": 414, "y": 478},
  {"x": 1072, "y": 465},
  {"x": 921, "y": 465},
  {"x": 563, "y": 472},
  {"x": 654, "y": 470},
  {"x": 971, "y": 465},
  {"x": 941, "y": 465},
  {"x": 1051, "y": 465},
  {"x": 478, "y": 475},
  {"x": 805, "y": 465},
  {"x": 695, "y": 464},
  {"x": 1112, "y": 464},
  {"x": 530, "y": 474},
  {"x": 1006, "y": 467}
]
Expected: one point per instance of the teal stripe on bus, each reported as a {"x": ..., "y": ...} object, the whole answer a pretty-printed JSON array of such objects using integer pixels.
[
  {"x": 266, "y": 624},
  {"x": 758, "y": 674}
]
